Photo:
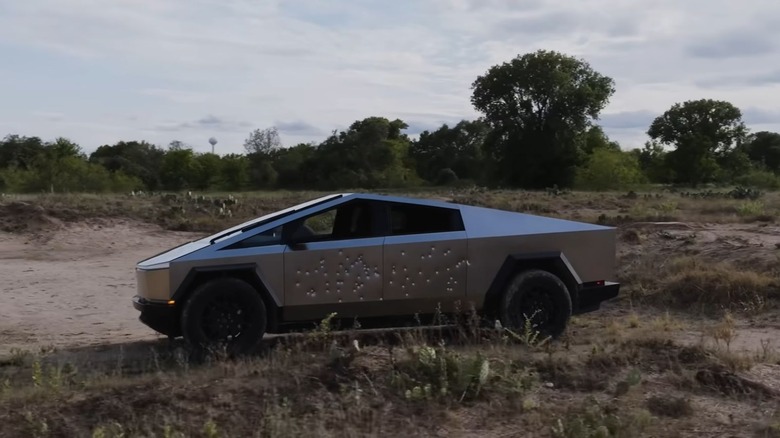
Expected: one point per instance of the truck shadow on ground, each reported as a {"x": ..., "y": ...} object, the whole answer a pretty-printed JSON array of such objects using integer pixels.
[{"x": 139, "y": 357}]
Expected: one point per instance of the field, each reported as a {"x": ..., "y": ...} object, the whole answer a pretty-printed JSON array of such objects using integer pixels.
[{"x": 690, "y": 349}]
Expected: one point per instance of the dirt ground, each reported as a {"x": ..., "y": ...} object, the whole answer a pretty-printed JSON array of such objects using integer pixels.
[
  {"x": 71, "y": 284},
  {"x": 68, "y": 284},
  {"x": 67, "y": 279}
]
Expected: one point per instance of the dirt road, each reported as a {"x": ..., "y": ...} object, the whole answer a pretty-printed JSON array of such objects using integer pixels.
[{"x": 72, "y": 285}]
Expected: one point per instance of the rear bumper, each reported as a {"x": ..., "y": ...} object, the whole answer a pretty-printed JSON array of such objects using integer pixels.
[
  {"x": 161, "y": 317},
  {"x": 590, "y": 298}
]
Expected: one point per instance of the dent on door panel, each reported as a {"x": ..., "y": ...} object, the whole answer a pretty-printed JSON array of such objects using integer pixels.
[
  {"x": 426, "y": 266},
  {"x": 334, "y": 272}
]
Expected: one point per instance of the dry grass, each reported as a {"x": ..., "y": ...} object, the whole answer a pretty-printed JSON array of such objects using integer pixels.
[
  {"x": 329, "y": 385},
  {"x": 204, "y": 211},
  {"x": 693, "y": 284},
  {"x": 622, "y": 371}
]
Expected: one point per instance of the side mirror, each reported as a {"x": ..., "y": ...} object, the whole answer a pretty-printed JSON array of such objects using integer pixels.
[{"x": 297, "y": 246}]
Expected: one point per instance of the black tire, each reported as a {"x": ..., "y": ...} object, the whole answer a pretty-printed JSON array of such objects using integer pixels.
[
  {"x": 541, "y": 297},
  {"x": 224, "y": 315}
]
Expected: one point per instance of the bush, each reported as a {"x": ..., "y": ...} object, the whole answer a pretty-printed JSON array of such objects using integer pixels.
[
  {"x": 71, "y": 175},
  {"x": 715, "y": 286},
  {"x": 429, "y": 373},
  {"x": 609, "y": 170},
  {"x": 759, "y": 178}
]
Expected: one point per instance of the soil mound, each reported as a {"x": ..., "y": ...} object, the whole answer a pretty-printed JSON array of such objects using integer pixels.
[{"x": 23, "y": 217}]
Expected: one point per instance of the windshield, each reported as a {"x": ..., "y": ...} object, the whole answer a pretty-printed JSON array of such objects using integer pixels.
[{"x": 267, "y": 218}]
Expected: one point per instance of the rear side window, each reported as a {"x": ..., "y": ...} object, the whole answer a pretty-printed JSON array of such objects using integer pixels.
[{"x": 421, "y": 219}]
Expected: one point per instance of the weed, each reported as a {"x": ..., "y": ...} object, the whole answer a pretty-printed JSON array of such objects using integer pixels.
[
  {"x": 36, "y": 426},
  {"x": 529, "y": 337},
  {"x": 210, "y": 430},
  {"x": 725, "y": 331},
  {"x": 596, "y": 421},
  {"x": 673, "y": 407},
  {"x": 750, "y": 208},
  {"x": 434, "y": 372}
]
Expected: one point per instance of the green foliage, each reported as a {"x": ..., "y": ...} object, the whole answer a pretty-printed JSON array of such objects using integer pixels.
[
  {"x": 537, "y": 131},
  {"x": 207, "y": 170},
  {"x": 704, "y": 133},
  {"x": 372, "y": 153},
  {"x": 750, "y": 208},
  {"x": 538, "y": 106},
  {"x": 595, "y": 139},
  {"x": 140, "y": 160},
  {"x": 595, "y": 421},
  {"x": 432, "y": 373},
  {"x": 179, "y": 169},
  {"x": 72, "y": 175},
  {"x": 609, "y": 169},
  {"x": 763, "y": 149},
  {"x": 762, "y": 179},
  {"x": 457, "y": 149},
  {"x": 234, "y": 172}
]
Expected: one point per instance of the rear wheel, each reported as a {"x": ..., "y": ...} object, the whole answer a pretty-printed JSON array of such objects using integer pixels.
[
  {"x": 225, "y": 314},
  {"x": 539, "y": 298}
]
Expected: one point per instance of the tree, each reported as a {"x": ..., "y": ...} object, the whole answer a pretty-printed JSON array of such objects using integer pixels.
[
  {"x": 289, "y": 162},
  {"x": 652, "y": 161},
  {"x": 208, "y": 171},
  {"x": 138, "y": 159},
  {"x": 19, "y": 152},
  {"x": 763, "y": 148},
  {"x": 538, "y": 105},
  {"x": 235, "y": 175},
  {"x": 704, "y": 133},
  {"x": 57, "y": 162},
  {"x": 262, "y": 141},
  {"x": 457, "y": 149},
  {"x": 595, "y": 138},
  {"x": 179, "y": 169},
  {"x": 372, "y": 153}
]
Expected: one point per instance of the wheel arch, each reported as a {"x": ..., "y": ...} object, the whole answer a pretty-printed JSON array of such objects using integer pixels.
[
  {"x": 246, "y": 272},
  {"x": 554, "y": 262}
]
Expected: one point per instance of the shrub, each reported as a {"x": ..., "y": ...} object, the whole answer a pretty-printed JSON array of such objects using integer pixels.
[
  {"x": 759, "y": 178},
  {"x": 715, "y": 286},
  {"x": 609, "y": 170}
]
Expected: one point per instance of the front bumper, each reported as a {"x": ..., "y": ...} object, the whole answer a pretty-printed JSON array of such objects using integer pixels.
[
  {"x": 589, "y": 298},
  {"x": 161, "y": 317}
]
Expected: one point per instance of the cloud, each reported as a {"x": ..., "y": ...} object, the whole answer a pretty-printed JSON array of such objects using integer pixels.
[
  {"x": 733, "y": 45},
  {"x": 207, "y": 66},
  {"x": 759, "y": 116},
  {"x": 207, "y": 123},
  {"x": 298, "y": 127},
  {"x": 627, "y": 120},
  {"x": 416, "y": 127}
]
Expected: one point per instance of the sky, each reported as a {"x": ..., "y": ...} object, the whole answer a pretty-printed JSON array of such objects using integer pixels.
[{"x": 98, "y": 71}]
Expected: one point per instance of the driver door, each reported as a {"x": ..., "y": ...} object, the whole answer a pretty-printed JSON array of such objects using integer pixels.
[{"x": 334, "y": 256}]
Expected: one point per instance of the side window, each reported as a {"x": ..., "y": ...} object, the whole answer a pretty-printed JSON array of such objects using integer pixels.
[
  {"x": 266, "y": 238},
  {"x": 349, "y": 221},
  {"x": 419, "y": 219}
]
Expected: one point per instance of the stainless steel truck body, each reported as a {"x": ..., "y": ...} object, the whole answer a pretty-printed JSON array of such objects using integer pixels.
[{"x": 368, "y": 256}]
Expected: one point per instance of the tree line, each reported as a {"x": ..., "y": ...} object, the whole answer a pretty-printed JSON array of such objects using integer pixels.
[{"x": 537, "y": 128}]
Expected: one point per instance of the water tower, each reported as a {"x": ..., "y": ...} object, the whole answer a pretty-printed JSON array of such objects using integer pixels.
[{"x": 213, "y": 141}]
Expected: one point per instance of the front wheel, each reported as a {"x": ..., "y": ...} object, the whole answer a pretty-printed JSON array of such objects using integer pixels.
[
  {"x": 225, "y": 314},
  {"x": 539, "y": 299}
]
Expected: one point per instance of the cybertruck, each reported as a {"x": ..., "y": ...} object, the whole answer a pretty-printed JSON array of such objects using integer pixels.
[{"x": 375, "y": 258}]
